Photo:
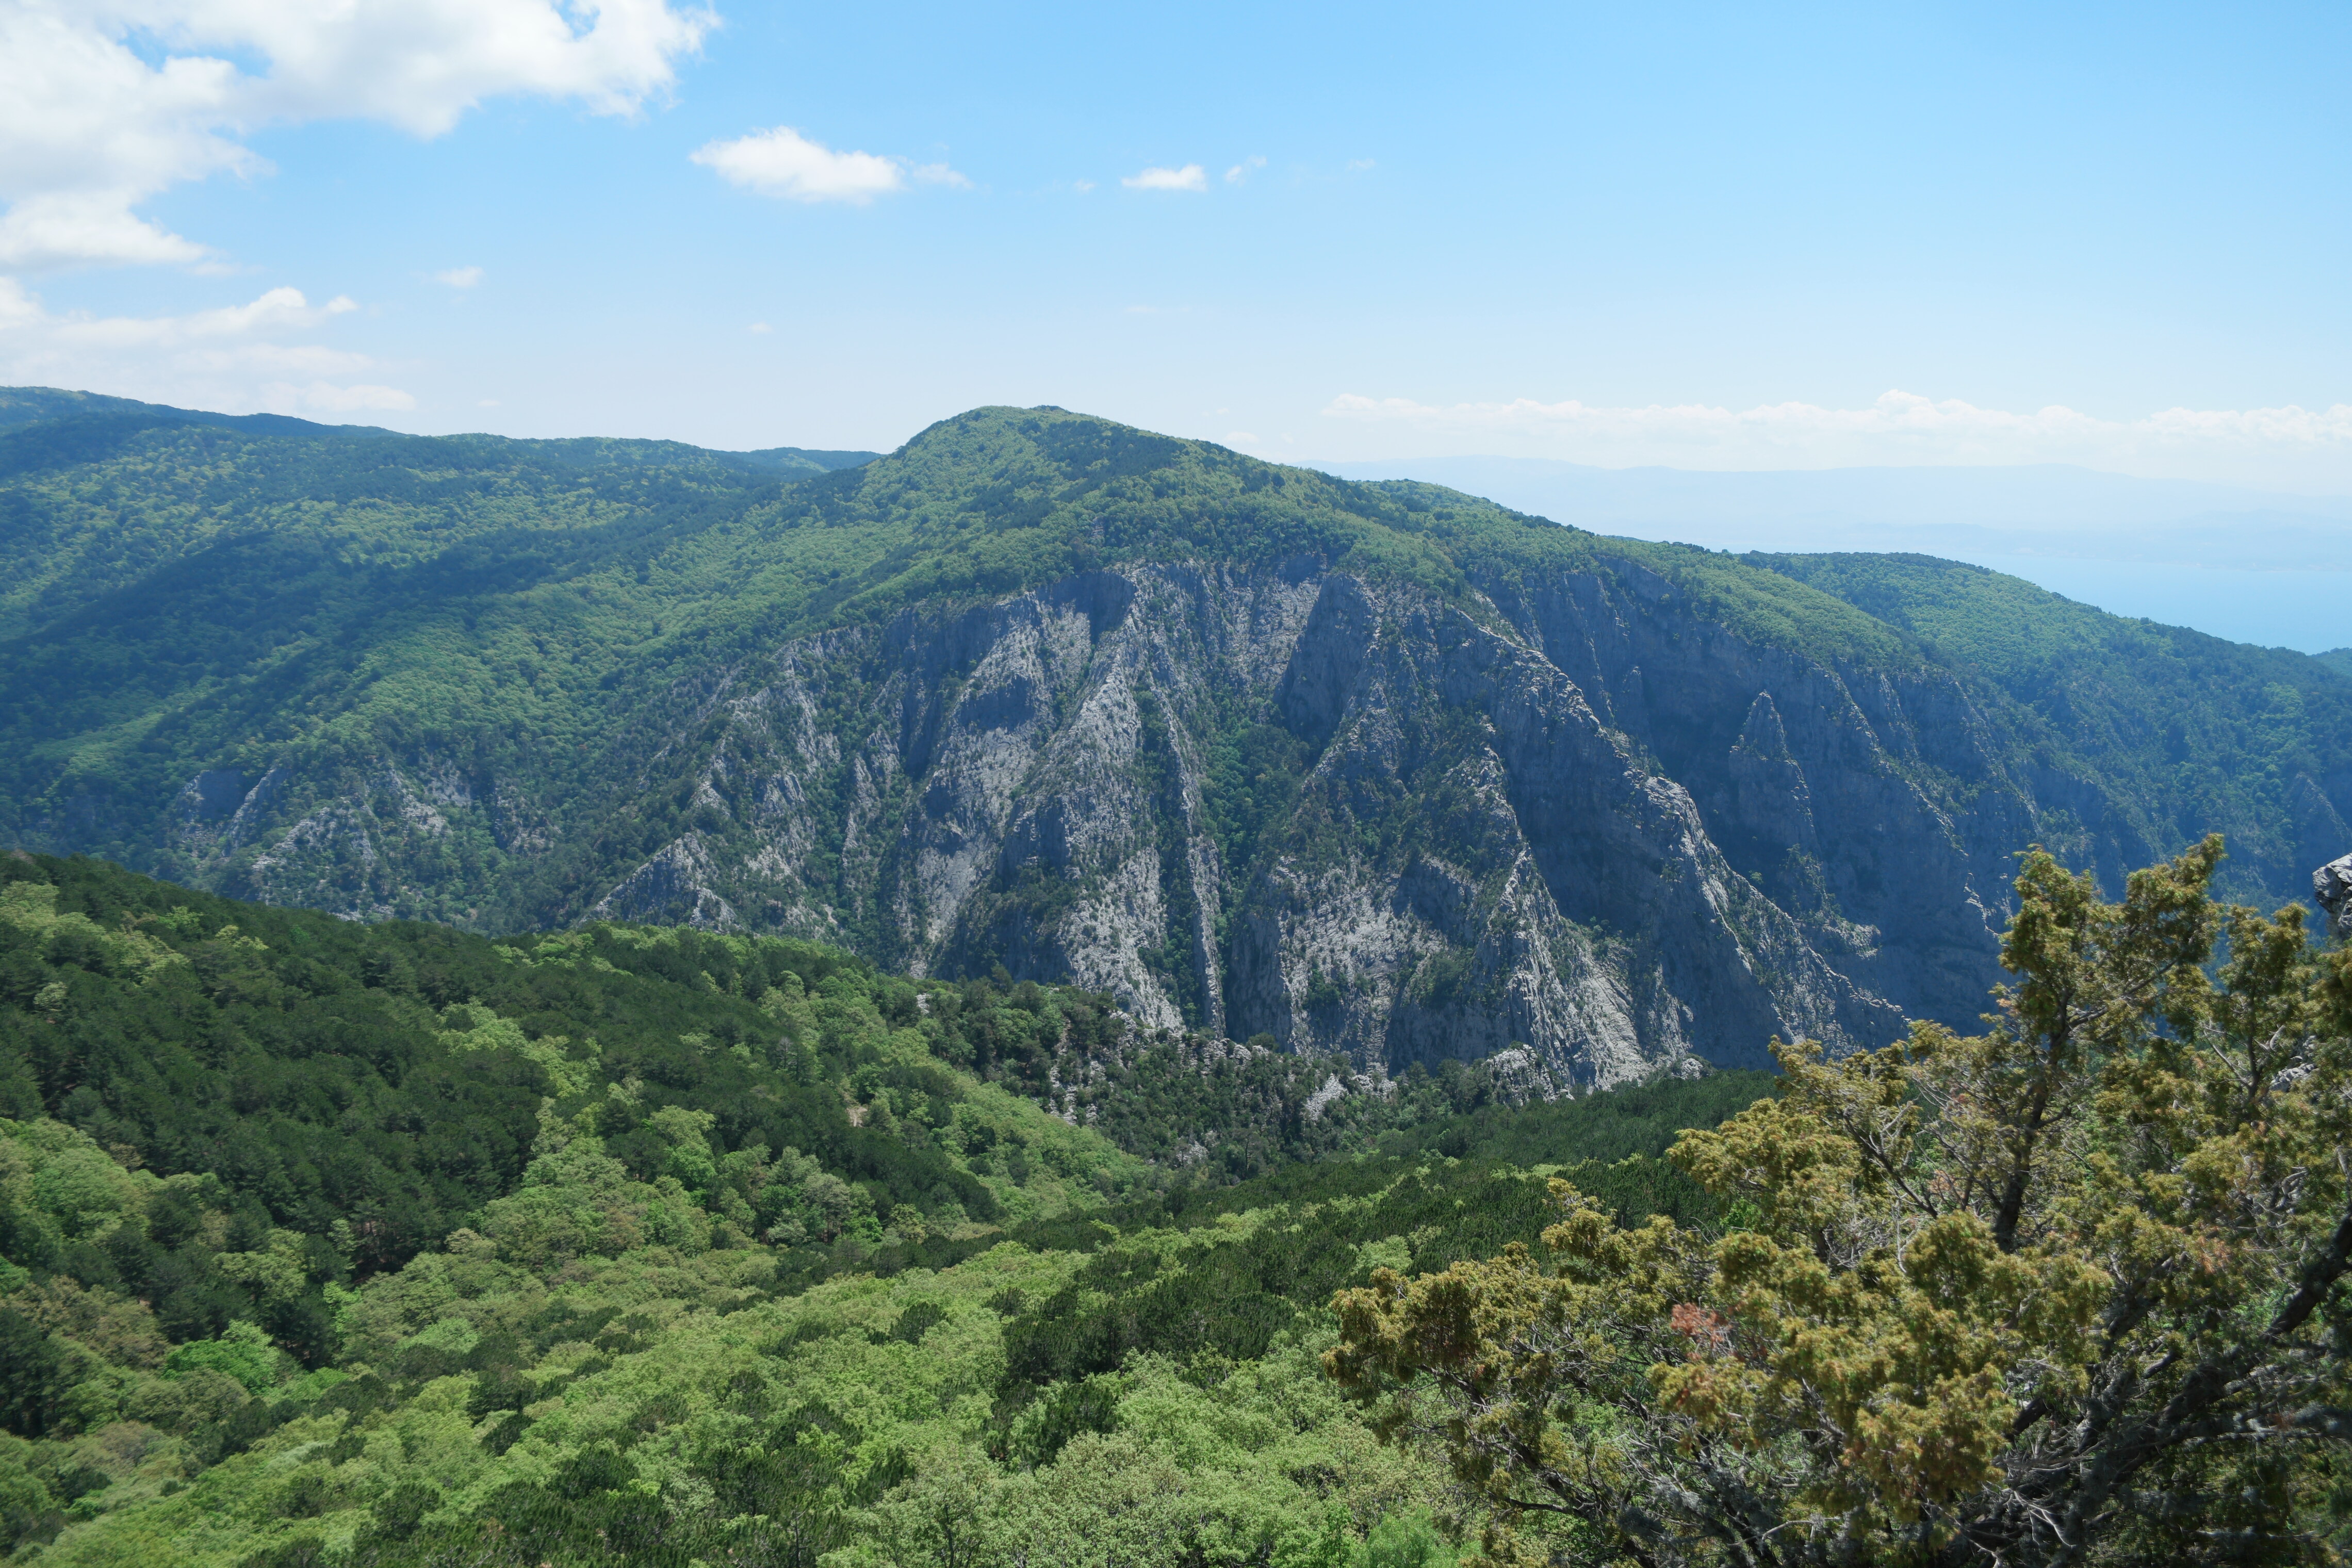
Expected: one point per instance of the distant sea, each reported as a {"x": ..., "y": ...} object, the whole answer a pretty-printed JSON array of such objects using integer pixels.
[
  {"x": 2308, "y": 610},
  {"x": 2254, "y": 566}
]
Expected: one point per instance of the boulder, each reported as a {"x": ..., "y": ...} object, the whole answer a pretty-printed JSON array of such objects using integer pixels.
[{"x": 2332, "y": 886}]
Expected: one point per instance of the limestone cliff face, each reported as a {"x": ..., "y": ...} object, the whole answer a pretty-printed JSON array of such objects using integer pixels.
[
  {"x": 1585, "y": 819},
  {"x": 1579, "y": 818},
  {"x": 1870, "y": 807},
  {"x": 377, "y": 839}
]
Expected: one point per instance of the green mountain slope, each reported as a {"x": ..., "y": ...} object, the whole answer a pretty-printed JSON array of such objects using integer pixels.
[
  {"x": 1373, "y": 768},
  {"x": 404, "y": 1245},
  {"x": 183, "y": 592},
  {"x": 390, "y": 1077},
  {"x": 2187, "y": 729},
  {"x": 32, "y": 405}
]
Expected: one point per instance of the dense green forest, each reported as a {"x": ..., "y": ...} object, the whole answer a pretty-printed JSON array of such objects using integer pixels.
[
  {"x": 325, "y": 1245},
  {"x": 395, "y": 1244}
]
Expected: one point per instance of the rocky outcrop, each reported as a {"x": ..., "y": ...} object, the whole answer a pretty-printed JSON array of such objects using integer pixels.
[
  {"x": 1572, "y": 822},
  {"x": 376, "y": 840},
  {"x": 1578, "y": 819},
  {"x": 2331, "y": 887}
]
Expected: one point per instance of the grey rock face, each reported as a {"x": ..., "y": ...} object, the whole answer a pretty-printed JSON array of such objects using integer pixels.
[
  {"x": 2320, "y": 832},
  {"x": 372, "y": 842},
  {"x": 1484, "y": 849},
  {"x": 2331, "y": 885},
  {"x": 1578, "y": 820}
]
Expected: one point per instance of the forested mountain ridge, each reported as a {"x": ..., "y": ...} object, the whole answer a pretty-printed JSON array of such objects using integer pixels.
[{"x": 1371, "y": 767}]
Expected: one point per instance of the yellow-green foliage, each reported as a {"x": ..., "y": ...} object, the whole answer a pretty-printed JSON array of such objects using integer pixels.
[
  {"x": 603, "y": 1354},
  {"x": 58, "y": 1177},
  {"x": 2063, "y": 1291},
  {"x": 683, "y": 1357},
  {"x": 474, "y": 1028},
  {"x": 31, "y": 910}
]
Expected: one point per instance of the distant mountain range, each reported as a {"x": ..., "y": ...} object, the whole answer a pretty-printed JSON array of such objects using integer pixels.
[
  {"x": 1371, "y": 766},
  {"x": 22, "y": 406}
]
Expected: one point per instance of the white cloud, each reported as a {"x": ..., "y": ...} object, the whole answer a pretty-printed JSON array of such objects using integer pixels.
[
  {"x": 278, "y": 309},
  {"x": 1082, "y": 187},
  {"x": 460, "y": 277},
  {"x": 1899, "y": 428},
  {"x": 17, "y": 307},
  {"x": 106, "y": 103},
  {"x": 232, "y": 358},
  {"x": 759, "y": 328},
  {"x": 1191, "y": 177},
  {"x": 783, "y": 163},
  {"x": 60, "y": 229},
  {"x": 1241, "y": 171},
  {"x": 1357, "y": 165}
]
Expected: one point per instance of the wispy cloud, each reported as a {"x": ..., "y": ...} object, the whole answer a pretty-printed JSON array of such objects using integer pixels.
[
  {"x": 1241, "y": 171},
  {"x": 1191, "y": 177},
  {"x": 1897, "y": 428},
  {"x": 460, "y": 277},
  {"x": 104, "y": 106},
  {"x": 785, "y": 163},
  {"x": 233, "y": 357},
  {"x": 278, "y": 310}
]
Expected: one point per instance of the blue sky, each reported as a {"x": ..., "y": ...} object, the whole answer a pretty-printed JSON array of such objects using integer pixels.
[{"x": 1707, "y": 237}]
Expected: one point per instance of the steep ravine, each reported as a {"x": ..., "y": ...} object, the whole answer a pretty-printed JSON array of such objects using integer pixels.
[
  {"x": 1589, "y": 822},
  {"x": 1578, "y": 813}
]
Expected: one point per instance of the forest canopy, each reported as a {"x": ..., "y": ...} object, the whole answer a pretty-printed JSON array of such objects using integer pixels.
[
  {"x": 662, "y": 1246},
  {"x": 317, "y": 1237}
]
